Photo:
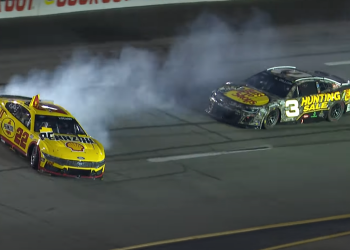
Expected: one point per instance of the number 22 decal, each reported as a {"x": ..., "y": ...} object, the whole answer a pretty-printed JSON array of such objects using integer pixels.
[
  {"x": 21, "y": 138},
  {"x": 293, "y": 107}
]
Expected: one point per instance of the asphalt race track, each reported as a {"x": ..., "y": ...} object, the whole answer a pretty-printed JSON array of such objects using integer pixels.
[{"x": 303, "y": 172}]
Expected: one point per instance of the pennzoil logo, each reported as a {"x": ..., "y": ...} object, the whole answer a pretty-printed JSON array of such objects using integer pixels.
[
  {"x": 51, "y": 136},
  {"x": 318, "y": 102},
  {"x": 76, "y": 147}
]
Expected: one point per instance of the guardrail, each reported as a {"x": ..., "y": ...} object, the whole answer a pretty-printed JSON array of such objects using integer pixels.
[{"x": 25, "y": 8}]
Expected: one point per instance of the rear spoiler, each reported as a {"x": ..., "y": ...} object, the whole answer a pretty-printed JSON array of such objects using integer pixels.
[{"x": 47, "y": 101}]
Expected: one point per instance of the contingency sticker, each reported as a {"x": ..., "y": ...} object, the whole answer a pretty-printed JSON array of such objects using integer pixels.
[{"x": 8, "y": 126}]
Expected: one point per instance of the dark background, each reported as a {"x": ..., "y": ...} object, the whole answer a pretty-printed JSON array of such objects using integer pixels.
[{"x": 151, "y": 22}]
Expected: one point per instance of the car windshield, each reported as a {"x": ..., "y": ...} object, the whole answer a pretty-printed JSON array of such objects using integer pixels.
[
  {"x": 58, "y": 124},
  {"x": 270, "y": 83}
]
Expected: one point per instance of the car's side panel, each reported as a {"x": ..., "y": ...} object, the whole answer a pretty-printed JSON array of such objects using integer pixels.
[
  {"x": 313, "y": 106},
  {"x": 13, "y": 131}
]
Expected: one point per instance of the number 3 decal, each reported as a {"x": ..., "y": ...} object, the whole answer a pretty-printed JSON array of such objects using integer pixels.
[
  {"x": 21, "y": 138},
  {"x": 293, "y": 107}
]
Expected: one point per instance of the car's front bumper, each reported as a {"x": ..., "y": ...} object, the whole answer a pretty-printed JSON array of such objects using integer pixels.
[
  {"x": 232, "y": 112},
  {"x": 51, "y": 167}
]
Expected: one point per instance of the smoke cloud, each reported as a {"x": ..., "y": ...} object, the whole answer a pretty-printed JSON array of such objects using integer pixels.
[{"x": 98, "y": 90}]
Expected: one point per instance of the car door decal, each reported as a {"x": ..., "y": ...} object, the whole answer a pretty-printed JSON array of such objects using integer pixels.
[
  {"x": 292, "y": 108},
  {"x": 8, "y": 127},
  {"x": 21, "y": 138},
  {"x": 319, "y": 102}
]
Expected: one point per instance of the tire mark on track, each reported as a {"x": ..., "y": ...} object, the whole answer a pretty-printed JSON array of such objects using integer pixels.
[
  {"x": 163, "y": 126},
  {"x": 113, "y": 156},
  {"x": 197, "y": 125},
  {"x": 204, "y": 174},
  {"x": 13, "y": 169},
  {"x": 106, "y": 182},
  {"x": 23, "y": 212}
]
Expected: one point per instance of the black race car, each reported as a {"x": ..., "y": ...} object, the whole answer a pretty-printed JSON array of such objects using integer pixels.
[{"x": 279, "y": 95}]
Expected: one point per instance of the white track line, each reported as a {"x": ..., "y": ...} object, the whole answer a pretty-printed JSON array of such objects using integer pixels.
[
  {"x": 191, "y": 156},
  {"x": 337, "y": 63}
]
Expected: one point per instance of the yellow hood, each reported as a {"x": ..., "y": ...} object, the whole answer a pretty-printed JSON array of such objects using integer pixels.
[
  {"x": 248, "y": 96},
  {"x": 71, "y": 150}
]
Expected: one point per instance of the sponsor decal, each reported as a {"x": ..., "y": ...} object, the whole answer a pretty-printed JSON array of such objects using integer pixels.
[
  {"x": 314, "y": 115},
  {"x": 321, "y": 114},
  {"x": 306, "y": 116},
  {"x": 16, "y": 5},
  {"x": 51, "y": 136},
  {"x": 8, "y": 126},
  {"x": 319, "y": 101},
  {"x": 75, "y": 147},
  {"x": 63, "y": 3},
  {"x": 347, "y": 95},
  {"x": 49, "y": 2},
  {"x": 248, "y": 96}
]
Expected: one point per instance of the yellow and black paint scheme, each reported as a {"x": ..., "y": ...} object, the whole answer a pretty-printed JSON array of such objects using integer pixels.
[
  {"x": 71, "y": 155},
  {"x": 242, "y": 104},
  {"x": 316, "y": 107}
]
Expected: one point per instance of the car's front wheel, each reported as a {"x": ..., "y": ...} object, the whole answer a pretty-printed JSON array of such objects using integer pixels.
[
  {"x": 271, "y": 119},
  {"x": 34, "y": 158}
]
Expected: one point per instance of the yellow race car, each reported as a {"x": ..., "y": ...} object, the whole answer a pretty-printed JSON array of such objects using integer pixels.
[{"x": 50, "y": 137}]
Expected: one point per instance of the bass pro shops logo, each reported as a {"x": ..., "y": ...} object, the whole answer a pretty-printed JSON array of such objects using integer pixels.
[{"x": 63, "y": 3}]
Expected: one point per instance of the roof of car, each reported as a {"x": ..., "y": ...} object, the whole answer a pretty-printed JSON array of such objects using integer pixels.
[
  {"x": 294, "y": 74},
  {"x": 43, "y": 108}
]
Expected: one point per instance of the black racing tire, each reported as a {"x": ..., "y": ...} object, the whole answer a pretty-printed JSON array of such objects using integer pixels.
[
  {"x": 34, "y": 157},
  {"x": 271, "y": 119},
  {"x": 336, "y": 112}
]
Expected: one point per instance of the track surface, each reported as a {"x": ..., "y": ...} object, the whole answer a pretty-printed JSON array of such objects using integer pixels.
[{"x": 303, "y": 176}]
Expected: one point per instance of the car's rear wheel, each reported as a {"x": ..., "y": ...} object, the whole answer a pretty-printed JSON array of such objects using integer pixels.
[
  {"x": 34, "y": 158},
  {"x": 336, "y": 112},
  {"x": 271, "y": 119}
]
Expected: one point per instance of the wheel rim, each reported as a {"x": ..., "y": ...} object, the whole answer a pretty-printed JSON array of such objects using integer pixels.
[
  {"x": 336, "y": 111},
  {"x": 271, "y": 118},
  {"x": 33, "y": 156}
]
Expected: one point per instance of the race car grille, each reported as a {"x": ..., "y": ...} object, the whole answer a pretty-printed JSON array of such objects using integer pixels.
[{"x": 72, "y": 163}]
